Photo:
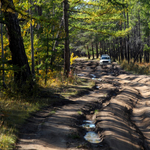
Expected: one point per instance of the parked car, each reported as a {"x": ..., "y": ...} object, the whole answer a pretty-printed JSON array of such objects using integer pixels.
[{"x": 105, "y": 60}]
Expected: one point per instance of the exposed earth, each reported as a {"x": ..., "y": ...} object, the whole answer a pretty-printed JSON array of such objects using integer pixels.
[{"x": 118, "y": 105}]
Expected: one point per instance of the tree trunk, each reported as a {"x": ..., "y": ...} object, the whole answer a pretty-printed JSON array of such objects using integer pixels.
[
  {"x": 121, "y": 45},
  {"x": 32, "y": 46},
  {"x": 139, "y": 35},
  {"x": 46, "y": 67},
  {"x": 137, "y": 54},
  {"x": 100, "y": 48},
  {"x": 148, "y": 55},
  {"x": 128, "y": 50},
  {"x": 97, "y": 55},
  {"x": 134, "y": 44},
  {"x": 19, "y": 58},
  {"x": 110, "y": 48},
  {"x": 66, "y": 50},
  {"x": 88, "y": 52},
  {"x": 3, "y": 73},
  {"x": 124, "y": 40},
  {"x": 37, "y": 58},
  {"x": 92, "y": 51},
  {"x": 103, "y": 48}
]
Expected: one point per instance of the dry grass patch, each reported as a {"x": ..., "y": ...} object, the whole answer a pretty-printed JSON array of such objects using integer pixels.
[{"x": 137, "y": 68}]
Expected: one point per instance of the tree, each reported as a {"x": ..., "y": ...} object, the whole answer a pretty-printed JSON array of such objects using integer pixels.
[
  {"x": 66, "y": 49},
  {"x": 32, "y": 46},
  {"x": 3, "y": 74},
  {"x": 95, "y": 22},
  {"x": 22, "y": 73}
]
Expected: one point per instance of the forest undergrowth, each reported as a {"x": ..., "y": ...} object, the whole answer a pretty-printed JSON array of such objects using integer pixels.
[{"x": 136, "y": 68}]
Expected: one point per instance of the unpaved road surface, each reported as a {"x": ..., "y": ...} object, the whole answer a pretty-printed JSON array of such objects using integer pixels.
[{"x": 118, "y": 104}]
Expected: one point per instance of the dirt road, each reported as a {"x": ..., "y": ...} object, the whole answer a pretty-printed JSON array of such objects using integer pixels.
[{"x": 118, "y": 106}]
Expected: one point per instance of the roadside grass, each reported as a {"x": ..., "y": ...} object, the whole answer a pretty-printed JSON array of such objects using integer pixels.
[
  {"x": 68, "y": 87},
  {"x": 14, "y": 110},
  {"x": 137, "y": 68},
  {"x": 13, "y": 113}
]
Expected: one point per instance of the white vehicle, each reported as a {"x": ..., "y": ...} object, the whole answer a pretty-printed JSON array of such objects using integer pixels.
[{"x": 105, "y": 60}]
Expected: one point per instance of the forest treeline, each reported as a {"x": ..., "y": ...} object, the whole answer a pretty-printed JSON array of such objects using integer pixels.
[{"x": 39, "y": 36}]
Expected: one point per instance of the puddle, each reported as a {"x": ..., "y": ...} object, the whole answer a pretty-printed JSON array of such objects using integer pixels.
[
  {"x": 80, "y": 74},
  {"x": 88, "y": 121},
  {"x": 93, "y": 75},
  {"x": 92, "y": 137},
  {"x": 93, "y": 78},
  {"x": 97, "y": 87},
  {"x": 88, "y": 124},
  {"x": 87, "y": 94},
  {"x": 100, "y": 79}
]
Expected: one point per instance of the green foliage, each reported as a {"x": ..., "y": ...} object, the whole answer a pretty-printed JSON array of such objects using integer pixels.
[
  {"x": 92, "y": 22},
  {"x": 102, "y": 14},
  {"x": 146, "y": 48}
]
